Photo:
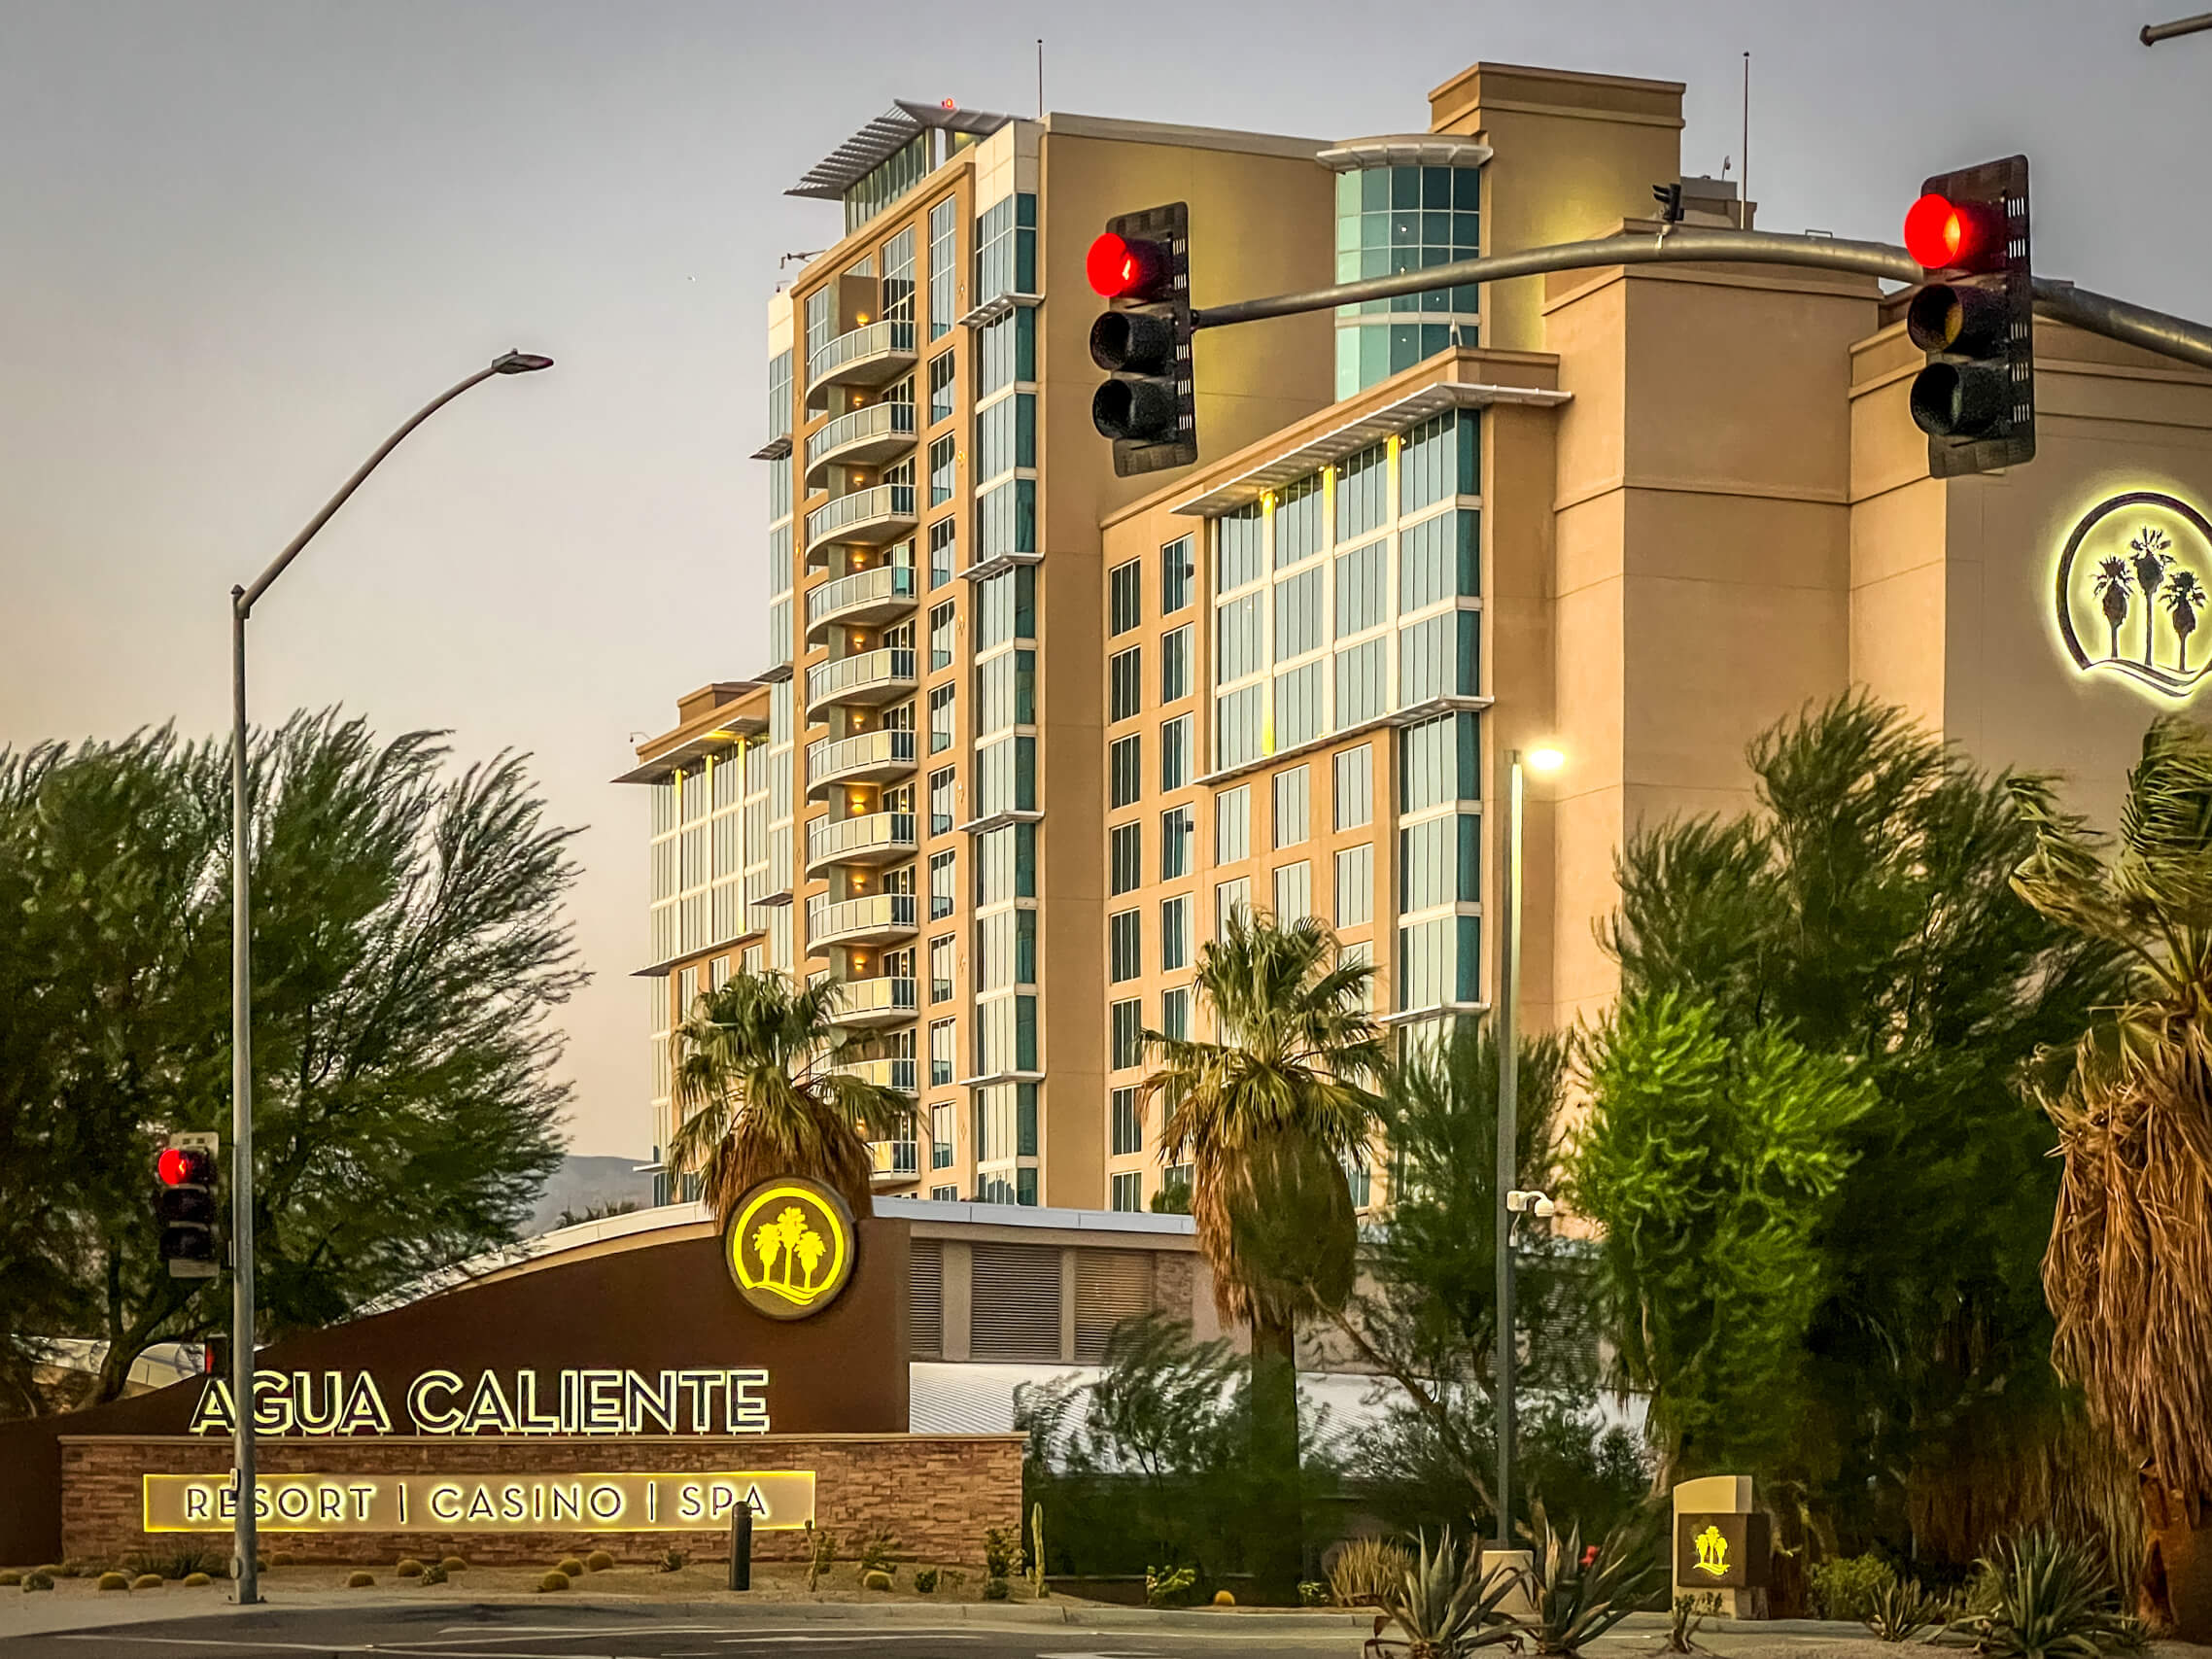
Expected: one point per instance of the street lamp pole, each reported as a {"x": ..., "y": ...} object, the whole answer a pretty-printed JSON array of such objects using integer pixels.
[
  {"x": 1509, "y": 1175},
  {"x": 245, "y": 1569}
]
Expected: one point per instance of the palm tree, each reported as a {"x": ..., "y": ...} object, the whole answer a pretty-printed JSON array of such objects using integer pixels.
[
  {"x": 2112, "y": 584},
  {"x": 2151, "y": 561},
  {"x": 2185, "y": 598},
  {"x": 1267, "y": 1117},
  {"x": 759, "y": 1094},
  {"x": 2128, "y": 1271}
]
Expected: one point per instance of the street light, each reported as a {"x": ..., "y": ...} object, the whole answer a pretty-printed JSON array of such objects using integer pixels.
[
  {"x": 1542, "y": 758},
  {"x": 245, "y": 1573}
]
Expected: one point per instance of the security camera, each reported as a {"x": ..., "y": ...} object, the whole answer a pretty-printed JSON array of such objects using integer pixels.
[{"x": 1520, "y": 1201}]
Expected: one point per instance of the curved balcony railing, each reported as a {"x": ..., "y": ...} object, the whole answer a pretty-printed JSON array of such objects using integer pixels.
[
  {"x": 873, "y": 919},
  {"x": 867, "y": 676},
  {"x": 864, "y": 599},
  {"x": 885, "y": 1001},
  {"x": 873, "y": 838},
  {"x": 871, "y": 517},
  {"x": 895, "y": 1162},
  {"x": 896, "y": 1074},
  {"x": 869, "y": 757},
  {"x": 860, "y": 437},
  {"x": 868, "y": 356}
]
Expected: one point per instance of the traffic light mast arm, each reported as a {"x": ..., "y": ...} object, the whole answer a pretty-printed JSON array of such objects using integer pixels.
[{"x": 2093, "y": 313}]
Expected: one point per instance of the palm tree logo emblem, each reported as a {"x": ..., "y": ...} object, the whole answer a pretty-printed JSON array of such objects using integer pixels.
[
  {"x": 2132, "y": 579},
  {"x": 1713, "y": 1552},
  {"x": 789, "y": 1247}
]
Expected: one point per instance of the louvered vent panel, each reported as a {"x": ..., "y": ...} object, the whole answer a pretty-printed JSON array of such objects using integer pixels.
[
  {"x": 926, "y": 1299},
  {"x": 1110, "y": 1285},
  {"x": 1015, "y": 1305}
]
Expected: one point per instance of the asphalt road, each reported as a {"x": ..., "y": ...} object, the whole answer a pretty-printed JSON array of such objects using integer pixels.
[{"x": 535, "y": 1632}]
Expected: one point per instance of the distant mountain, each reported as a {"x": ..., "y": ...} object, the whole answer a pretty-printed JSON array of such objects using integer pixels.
[{"x": 584, "y": 1181}]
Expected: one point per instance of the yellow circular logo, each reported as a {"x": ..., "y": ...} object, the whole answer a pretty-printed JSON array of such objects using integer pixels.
[{"x": 790, "y": 1247}]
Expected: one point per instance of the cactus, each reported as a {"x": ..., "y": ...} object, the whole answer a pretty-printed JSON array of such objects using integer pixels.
[{"x": 1037, "y": 1550}]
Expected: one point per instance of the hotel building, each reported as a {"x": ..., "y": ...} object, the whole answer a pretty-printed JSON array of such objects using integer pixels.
[{"x": 1639, "y": 513}]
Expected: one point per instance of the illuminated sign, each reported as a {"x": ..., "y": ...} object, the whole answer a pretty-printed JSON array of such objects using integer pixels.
[
  {"x": 496, "y": 1402},
  {"x": 1722, "y": 1552},
  {"x": 1713, "y": 1553},
  {"x": 789, "y": 1247},
  {"x": 2131, "y": 587},
  {"x": 782, "y": 1500}
]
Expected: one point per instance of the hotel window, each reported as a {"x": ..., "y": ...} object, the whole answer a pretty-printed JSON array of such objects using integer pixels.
[
  {"x": 1125, "y": 680},
  {"x": 1439, "y": 961},
  {"x": 1178, "y": 1177},
  {"x": 1177, "y": 567},
  {"x": 1439, "y": 862},
  {"x": 1362, "y": 683},
  {"x": 1233, "y": 825},
  {"x": 944, "y": 262},
  {"x": 1174, "y": 934},
  {"x": 941, "y": 721},
  {"x": 941, "y": 1136},
  {"x": 1124, "y": 586},
  {"x": 1175, "y": 663},
  {"x": 1006, "y": 350},
  {"x": 1126, "y": 770},
  {"x": 1439, "y": 458},
  {"x": 1299, "y": 523},
  {"x": 1006, "y": 519},
  {"x": 1438, "y": 761},
  {"x": 943, "y": 621},
  {"x": 1230, "y": 897},
  {"x": 1128, "y": 1191},
  {"x": 1239, "y": 726},
  {"x": 1128, "y": 857},
  {"x": 1398, "y": 219},
  {"x": 1006, "y": 607},
  {"x": 898, "y": 279},
  {"x": 1439, "y": 559},
  {"x": 1294, "y": 892},
  {"x": 943, "y": 553},
  {"x": 1301, "y": 612},
  {"x": 1362, "y": 589},
  {"x": 1175, "y": 753},
  {"x": 941, "y": 372},
  {"x": 944, "y": 799},
  {"x": 1006, "y": 436},
  {"x": 1437, "y": 658},
  {"x": 1006, "y": 248},
  {"x": 1128, "y": 1122},
  {"x": 1177, "y": 830},
  {"x": 1124, "y": 946},
  {"x": 1006, "y": 777},
  {"x": 944, "y": 1043},
  {"x": 1291, "y": 802},
  {"x": 1239, "y": 548},
  {"x": 1006, "y": 864},
  {"x": 779, "y": 400},
  {"x": 943, "y": 886},
  {"x": 1299, "y": 693},
  {"x": 1355, "y": 886},
  {"x": 1175, "y": 1014},
  {"x": 1239, "y": 642},
  {"x": 945, "y": 1194},
  {"x": 941, "y": 469},
  {"x": 1006, "y": 691},
  {"x": 1362, "y": 492},
  {"x": 1128, "y": 1035},
  {"x": 821, "y": 320},
  {"x": 941, "y": 968},
  {"x": 1353, "y": 788}
]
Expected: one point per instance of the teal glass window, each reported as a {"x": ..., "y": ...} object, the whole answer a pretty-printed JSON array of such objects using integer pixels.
[
  {"x": 1006, "y": 519},
  {"x": 1404, "y": 218},
  {"x": 1006, "y": 350},
  {"x": 1006, "y": 248},
  {"x": 1439, "y": 559},
  {"x": 1440, "y": 457}
]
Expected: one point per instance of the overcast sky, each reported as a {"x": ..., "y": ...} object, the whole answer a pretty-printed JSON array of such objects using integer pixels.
[{"x": 239, "y": 242}]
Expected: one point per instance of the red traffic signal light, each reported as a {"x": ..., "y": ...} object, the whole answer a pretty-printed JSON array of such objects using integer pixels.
[
  {"x": 184, "y": 1166},
  {"x": 1120, "y": 268},
  {"x": 1946, "y": 235}
]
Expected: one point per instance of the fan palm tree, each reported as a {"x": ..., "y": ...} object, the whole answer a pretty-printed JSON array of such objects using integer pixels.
[
  {"x": 2113, "y": 583},
  {"x": 2129, "y": 1270},
  {"x": 2151, "y": 561},
  {"x": 759, "y": 1095},
  {"x": 2185, "y": 598},
  {"x": 1267, "y": 1115}
]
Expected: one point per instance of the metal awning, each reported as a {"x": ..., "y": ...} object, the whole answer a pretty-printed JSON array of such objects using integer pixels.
[{"x": 882, "y": 138}]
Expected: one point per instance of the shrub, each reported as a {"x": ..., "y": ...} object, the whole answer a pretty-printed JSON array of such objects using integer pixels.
[
  {"x": 569, "y": 1566},
  {"x": 10, "y": 1578},
  {"x": 1447, "y": 1606},
  {"x": 554, "y": 1581},
  {"x": 409, "y": 1568},
  {"x": 196, "y": 1580},
  {"x": 878, "y": 1553},
  {"x": 1368, "y": 1573},
  {"x": 995, "y": 1590},
  {"x": 1578, "y": 1594},
  {"x": 1223, "y": 1599},
  {"x": 951, "y": 1578},
  {"x": 671, "y": 1561},
  {"x": 147, "y": 1581},
  {"x": 434, "y": 1572},
  {"x": 177, "y": 1563},
  {"x": 925, "y": 1580},
  {"x": 360, "y": 1581},
  {"x": 70, "y": 1569},
  {"x": 1901, "y": 1611},
  {"x": 454, "y": 1563},
  {"x": 41, "y": 1580},
  {"x": 1164, "y": 1585},
  {"x": 1845, "y": 1589},
  {"x": 875, "y": 1580},
  {"x": 599, "y": 1561},
  {"x": 113, "y": 1582},
  {"x": 1313, "y": 1593},
  {"x": 820, "y": 1559},
  {"x": 2044, "y": 1596},
  {"x": 1688, "y": 1612},
  {"x": 1000, "y": 1548}
]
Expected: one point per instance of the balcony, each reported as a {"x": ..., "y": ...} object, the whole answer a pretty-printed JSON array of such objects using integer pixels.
[
  {"x": 875, "y": 1002},
  {"x": 896, "y": 1163},
  {"x": 870, "y": 757},
  {"x": 866, "y": 599},
  {"x": 870, "y": 517},
  {"x": 875, "y": 838},
  {"x": 884, "y": 1074},
  {"x": 860, "y": 437},
  {"x": 867, "y": 676},
  {"x": 873, "y": 355},
  {"x": 876, "y": 919}
]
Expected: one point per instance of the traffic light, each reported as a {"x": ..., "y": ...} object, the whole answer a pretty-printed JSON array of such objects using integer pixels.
[
  {"x": 184, "y": 1203},
  {"x": 1142, "y": 267},
  {"x": 1975, "y": 318}
]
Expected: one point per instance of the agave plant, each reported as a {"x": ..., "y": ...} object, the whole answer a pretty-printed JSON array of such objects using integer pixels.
[
  {"x": 1448, "y": 1606},
  {"x": 1368, "y": 1573},
  {"x": 1578, "y": 1594},
  {"x": 1900, "y": 1611},
  {"x": 2044, "y": 1596}
]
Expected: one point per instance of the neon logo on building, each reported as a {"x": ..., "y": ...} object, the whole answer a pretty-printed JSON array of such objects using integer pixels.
[
  {"x": 2134, "y": 581},
  {"x": 1713, "y": 1552},
  {"x": 789, "y": 1247}
]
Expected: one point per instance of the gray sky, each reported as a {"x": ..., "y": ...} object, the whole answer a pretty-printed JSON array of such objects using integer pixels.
[{"x": 238, "y": 242}]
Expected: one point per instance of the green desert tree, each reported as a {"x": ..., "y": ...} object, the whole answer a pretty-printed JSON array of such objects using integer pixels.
[
  {"x": 759, "y": 1092},
  {"x": 409, "y": 950},
  {"x": 1268, "y": 1112},
  {"x": 2129, "y": 1265}
]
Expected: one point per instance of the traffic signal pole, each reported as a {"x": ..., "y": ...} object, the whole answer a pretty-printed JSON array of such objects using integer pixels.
[{"x": 2062, "y": 301}]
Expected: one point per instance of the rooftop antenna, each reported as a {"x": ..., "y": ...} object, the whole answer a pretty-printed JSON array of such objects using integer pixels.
[
  {"x": 1040, "y": 76},
  {"x": 1744, "y": 179},
  {"x": 799, "y": 259}
]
